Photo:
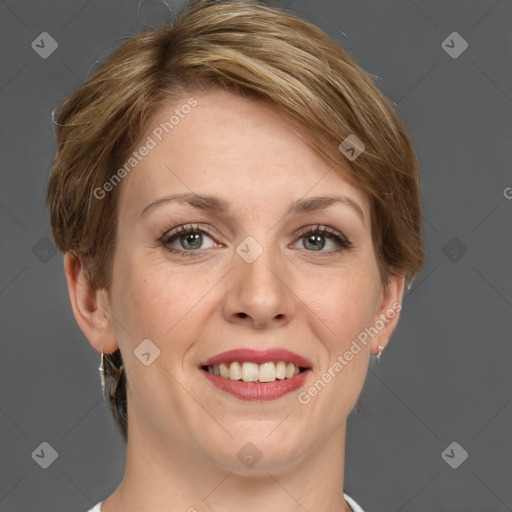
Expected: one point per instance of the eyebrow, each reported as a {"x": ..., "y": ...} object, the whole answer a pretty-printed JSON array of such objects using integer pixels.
[{"x": 217, "y": 205}]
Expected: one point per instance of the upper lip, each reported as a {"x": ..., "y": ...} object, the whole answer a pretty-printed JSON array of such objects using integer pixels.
[{"x": 258, "y": 356}]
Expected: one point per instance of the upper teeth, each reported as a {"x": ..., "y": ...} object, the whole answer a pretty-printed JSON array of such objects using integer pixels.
[{"x": 252, "y": 372}]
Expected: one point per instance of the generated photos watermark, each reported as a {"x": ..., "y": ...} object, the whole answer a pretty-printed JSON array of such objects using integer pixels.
[
  {"x": 362, "y": 339},
  {"x": 151, "y": 142}
]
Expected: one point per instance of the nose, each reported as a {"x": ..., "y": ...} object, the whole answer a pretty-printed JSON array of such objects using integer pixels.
[{"x": 260, "y": 293}]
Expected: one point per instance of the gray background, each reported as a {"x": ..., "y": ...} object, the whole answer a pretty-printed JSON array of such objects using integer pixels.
[{"x": 444, "y": 377}]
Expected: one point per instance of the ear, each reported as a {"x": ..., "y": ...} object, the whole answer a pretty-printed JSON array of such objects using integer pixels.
[
  {"x": 387, "y": 312},
  {"x": 90, "y": 306}
]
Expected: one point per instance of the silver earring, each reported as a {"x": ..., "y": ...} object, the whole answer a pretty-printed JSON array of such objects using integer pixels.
[
  {"x": 102, "y": 374},
  {"x": 380, "y": 352}
]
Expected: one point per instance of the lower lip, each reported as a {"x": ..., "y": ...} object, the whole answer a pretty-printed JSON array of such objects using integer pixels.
[{"x": 257, "y": 391}]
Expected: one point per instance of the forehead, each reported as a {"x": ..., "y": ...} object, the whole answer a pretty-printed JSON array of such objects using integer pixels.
[{"x": 217, "y": 143}]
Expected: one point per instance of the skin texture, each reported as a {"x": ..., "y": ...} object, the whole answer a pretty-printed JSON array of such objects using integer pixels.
[{"x": 184, "y": 434}]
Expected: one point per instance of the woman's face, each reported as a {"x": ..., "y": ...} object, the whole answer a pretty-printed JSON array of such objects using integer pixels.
[{"x": 248, "y": 276}]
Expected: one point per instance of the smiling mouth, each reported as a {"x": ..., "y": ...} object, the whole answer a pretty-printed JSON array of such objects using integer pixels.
[{"x": 254, "y": 372}]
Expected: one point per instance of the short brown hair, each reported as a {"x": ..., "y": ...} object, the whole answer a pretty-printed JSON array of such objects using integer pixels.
[{"x": 253, "y": 50}]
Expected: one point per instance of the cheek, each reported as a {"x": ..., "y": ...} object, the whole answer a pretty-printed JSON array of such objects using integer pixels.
[
  {"x": 144, "y": 301},
  {"x": 158, "y": 300},
  {"x": 345, "y": 307}
]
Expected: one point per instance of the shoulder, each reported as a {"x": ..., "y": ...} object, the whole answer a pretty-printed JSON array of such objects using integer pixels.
[{"x": 355, "y": 507}]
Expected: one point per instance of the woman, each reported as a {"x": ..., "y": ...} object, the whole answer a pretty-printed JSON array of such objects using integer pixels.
[{"x": 239, "y": 210}]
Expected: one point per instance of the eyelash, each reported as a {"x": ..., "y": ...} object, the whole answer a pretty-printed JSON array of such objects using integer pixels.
[{"x": 168, "y": 237}]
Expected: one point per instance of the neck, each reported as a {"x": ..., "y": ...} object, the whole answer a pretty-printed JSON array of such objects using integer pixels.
[{"x": 161, "y": 473}]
